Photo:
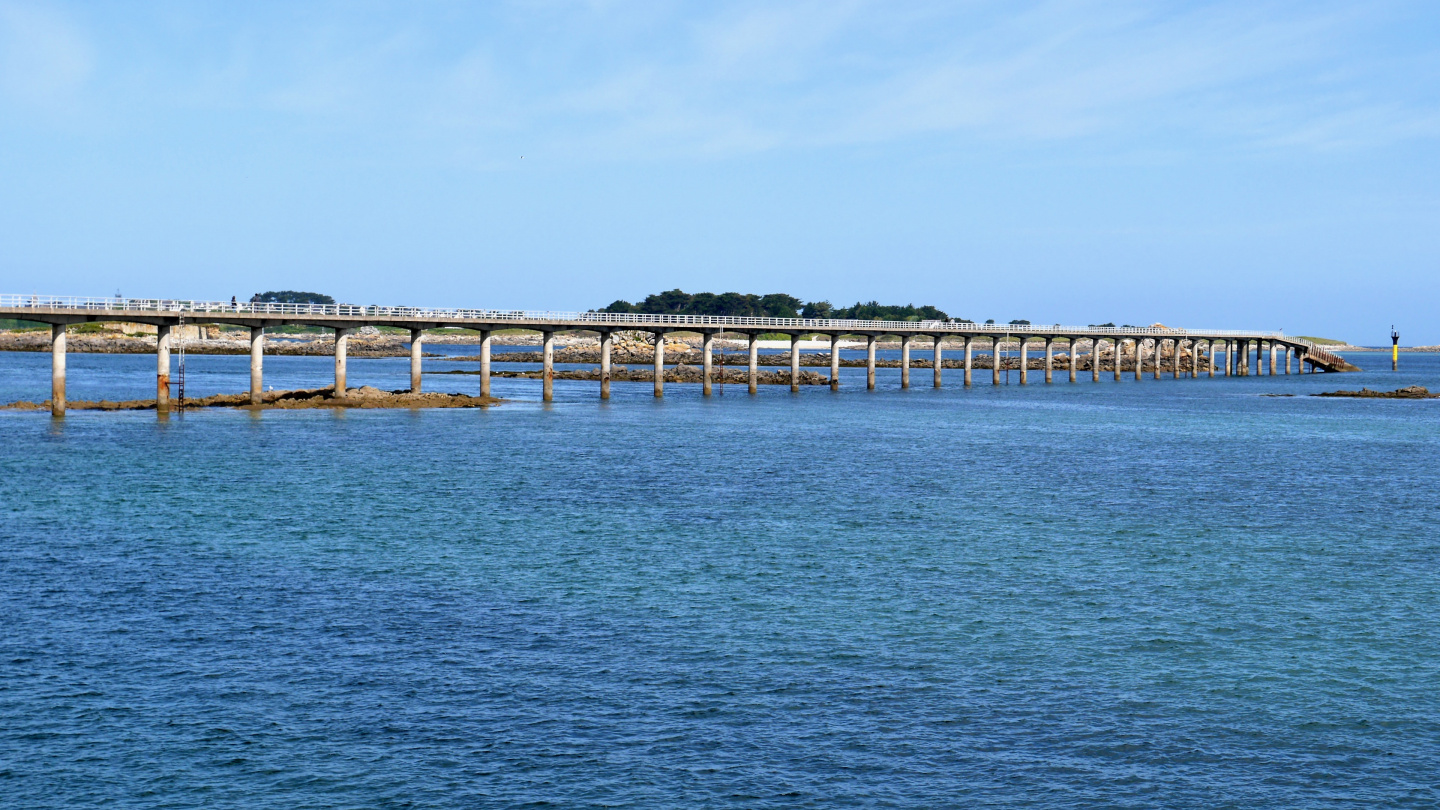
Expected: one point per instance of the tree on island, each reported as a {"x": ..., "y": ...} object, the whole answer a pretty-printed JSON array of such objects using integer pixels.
[
  {"x": 875, "y": 311},
  {"x": 290, "y": 297},
  {"x": 774, "y": 305},
  {"x": 730, "y": 304}
]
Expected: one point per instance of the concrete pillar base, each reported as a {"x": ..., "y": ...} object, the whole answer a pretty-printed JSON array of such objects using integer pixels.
[
  {"x": 754, "y": 362},
  {"x": 257, "y": 365},
  {"x": 342, "y": 342},
  {"x": 57, "y": 369},
  {"x": 938, "y": 362},
  {"x": 869, "y": 362},
  {"x": 795, "y": 363},
  {"x": 417, "y": 336},
  {"x": 162, "y": 368},
  {"x": 485, "y": 362},
  {"x": 904, "y": 361},
  {"x": 607, "y": 341},
  {"x": 547, "y": 363},
  {"x": 706, "y": 350}
]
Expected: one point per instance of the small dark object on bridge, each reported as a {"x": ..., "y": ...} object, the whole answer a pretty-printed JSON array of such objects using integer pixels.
[{"x": 1410, "y": 392}]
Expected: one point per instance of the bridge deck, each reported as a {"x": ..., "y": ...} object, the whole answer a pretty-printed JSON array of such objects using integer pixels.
[
  {"x": 53, "y": 309},
  {"x": 1184, "y": 344}
]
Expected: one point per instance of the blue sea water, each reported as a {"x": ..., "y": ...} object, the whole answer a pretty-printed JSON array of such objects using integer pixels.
[{"x": 1173, "y": 593}]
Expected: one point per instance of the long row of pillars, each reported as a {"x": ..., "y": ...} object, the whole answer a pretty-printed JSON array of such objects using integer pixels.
[
  {"x": 1232, "y": 350},
  {"x": 1116, "y": 348}
]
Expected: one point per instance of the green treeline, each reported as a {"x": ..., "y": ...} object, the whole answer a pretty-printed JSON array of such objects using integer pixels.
[
  {"x": 290, "y": 297},
  {"x": 774, "y": 305}
]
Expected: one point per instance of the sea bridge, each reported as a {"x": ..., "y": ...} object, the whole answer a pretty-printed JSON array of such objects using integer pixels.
[{"x": 1190, "y": 351}]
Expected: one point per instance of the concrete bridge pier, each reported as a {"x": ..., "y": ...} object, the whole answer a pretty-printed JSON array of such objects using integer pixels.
[
  {"x": 1140, "y": 359},
  {"x": 1071, "y": 352},
  {"x": 1288, "y": 351},
  {"x": 904, "y": 361},
  {"x": 547, "y": 375},
  {"x": 660, "y": 364},
  {"x": 57, "y": 369},
  {"x": 1175, "y": 362},
  {"x": 342, "y": 341},
  {"x": 257, "y": 364},
  {"x": 416, "y": 337},
  {"x": 795, "y": 363},
  {"x": 754, "y": 362},
  {"x": 162, "y": 368},
  {"x": 869, "y": 362},
  {"x": 1095, "y": 360},
  {"x": 1049, "y": 360},
  {"x": 1117, "y": 345},
  {"x": 1210, "y": 357},
  {"x": 1272, "y": 358},
  {"x": 994, "y": 361},
  {"x": 706, "y": 348},
  {"x": 835, "y": 362},
  {"x": 1024, "y": 361},
  {"x": 969, "y": 358},
  {"x": 1159, "y": 350},
  {"x": 485, "y": 365},
  {"x": 607, "y": 342},
  {"x": 937, "y": 362}
]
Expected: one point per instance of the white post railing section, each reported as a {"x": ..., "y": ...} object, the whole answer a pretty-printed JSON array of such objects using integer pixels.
[{"x": 247, "y": 308}]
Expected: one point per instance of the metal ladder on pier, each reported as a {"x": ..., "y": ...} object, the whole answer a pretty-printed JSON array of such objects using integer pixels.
[{"x": 180, "y": 363}]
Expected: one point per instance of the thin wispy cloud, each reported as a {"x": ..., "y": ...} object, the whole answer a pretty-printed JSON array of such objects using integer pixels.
[{"x": 620, "y": 81}]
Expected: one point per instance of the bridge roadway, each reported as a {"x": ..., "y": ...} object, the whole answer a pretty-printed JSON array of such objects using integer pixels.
[{"x": 1239, "y": 347}]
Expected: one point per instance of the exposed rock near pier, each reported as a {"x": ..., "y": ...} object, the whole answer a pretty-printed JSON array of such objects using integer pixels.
[
  {"x": 1410, "y": 392},
  {"x": 363, "y": 397},
  {"x": 677, "y": 374}
]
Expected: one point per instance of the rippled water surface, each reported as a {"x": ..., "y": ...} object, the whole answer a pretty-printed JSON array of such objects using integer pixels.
[{"x": 1154, "y": 594}]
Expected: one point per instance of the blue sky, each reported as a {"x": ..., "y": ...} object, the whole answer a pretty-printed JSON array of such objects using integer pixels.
[{"x": 1248, "y": 164}]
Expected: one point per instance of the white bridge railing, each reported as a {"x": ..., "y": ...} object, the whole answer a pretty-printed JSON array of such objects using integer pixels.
[{"x": 152, "y": 306}]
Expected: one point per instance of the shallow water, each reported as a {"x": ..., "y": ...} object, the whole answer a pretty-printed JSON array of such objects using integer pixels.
[{"x": 1164, "y": 593}]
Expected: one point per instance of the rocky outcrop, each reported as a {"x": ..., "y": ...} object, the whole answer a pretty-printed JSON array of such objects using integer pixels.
[
  {"x": 1410, "y": 392},
  {"x": 363, "y": 397},
  {"x": 677, "y": 374}
]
